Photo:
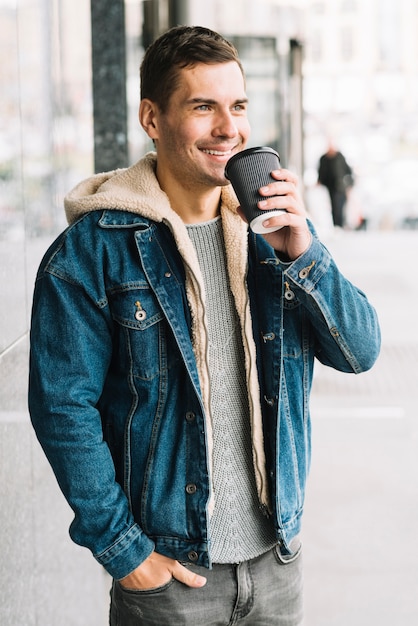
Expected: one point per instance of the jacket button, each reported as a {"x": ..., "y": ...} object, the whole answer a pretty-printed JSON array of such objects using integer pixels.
[
  {"x": 193, "y": 556},
  {"x": 191, "y": 488},
  {"x": 269, "y": 337},
  {"x": 190, "y": 416}
]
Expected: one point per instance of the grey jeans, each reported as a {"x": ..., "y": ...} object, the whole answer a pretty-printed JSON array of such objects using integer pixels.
[{"x": 266, "y": 591}]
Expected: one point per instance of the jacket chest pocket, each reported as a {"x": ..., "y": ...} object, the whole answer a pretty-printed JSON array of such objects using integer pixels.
[{"x": 143, "y": 336}]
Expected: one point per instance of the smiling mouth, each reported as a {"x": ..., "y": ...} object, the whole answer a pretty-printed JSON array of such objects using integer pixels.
[{"x": 218, "y": 152}]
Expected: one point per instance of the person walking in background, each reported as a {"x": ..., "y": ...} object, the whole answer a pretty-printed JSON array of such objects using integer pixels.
[
  {"x": 172, "y": 355},
  {"x": 337, "y": 176}
]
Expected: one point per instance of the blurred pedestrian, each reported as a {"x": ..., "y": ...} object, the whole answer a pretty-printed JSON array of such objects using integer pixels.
[
  {"x": 337, "y": 176},
  {"x": 172, "y": 357}
]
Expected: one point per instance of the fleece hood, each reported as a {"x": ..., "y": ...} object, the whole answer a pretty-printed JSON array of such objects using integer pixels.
[{"x": 136, "y": 190}]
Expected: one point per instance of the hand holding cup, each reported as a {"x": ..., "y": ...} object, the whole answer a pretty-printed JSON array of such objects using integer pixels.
[{"x": 248, "y": 171}]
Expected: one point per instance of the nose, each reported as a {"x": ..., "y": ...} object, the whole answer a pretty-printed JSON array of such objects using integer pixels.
[{"x": 225, "y": 125}]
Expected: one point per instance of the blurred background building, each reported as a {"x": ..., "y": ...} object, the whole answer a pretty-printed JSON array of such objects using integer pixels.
[
  {"x": 340, "y": 70},
  {"x": 360, "y": 81}
]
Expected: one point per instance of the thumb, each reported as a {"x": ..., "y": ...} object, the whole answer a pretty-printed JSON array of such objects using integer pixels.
[{"x": 185, "y": 576}]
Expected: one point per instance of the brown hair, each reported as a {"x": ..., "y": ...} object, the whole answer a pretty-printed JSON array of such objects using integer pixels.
[{"x": 180, "y": 47}]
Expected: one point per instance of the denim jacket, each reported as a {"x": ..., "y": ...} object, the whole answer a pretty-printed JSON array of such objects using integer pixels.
[{"x": 119, "y": 386}]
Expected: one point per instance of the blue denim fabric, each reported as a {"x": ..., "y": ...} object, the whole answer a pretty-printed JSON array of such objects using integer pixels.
[{"x": 114, "y": 391}]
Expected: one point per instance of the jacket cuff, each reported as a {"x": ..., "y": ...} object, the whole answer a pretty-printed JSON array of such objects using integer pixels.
[
  {"x": 127, "y": 553},
  {"x": 308, "y": 269}
]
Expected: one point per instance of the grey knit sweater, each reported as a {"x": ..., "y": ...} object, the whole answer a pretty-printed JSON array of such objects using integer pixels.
[{"x": 239, "y": 530}]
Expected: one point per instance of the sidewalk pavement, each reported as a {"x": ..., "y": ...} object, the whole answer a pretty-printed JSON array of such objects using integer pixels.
[{"x": 359, "y": 532}]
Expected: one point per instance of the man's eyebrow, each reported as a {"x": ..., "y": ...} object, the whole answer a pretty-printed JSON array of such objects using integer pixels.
[{"x": 199, "y": 100}]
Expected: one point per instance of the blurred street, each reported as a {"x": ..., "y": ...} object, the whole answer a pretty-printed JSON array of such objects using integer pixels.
[{"x": 359, "y": 532}]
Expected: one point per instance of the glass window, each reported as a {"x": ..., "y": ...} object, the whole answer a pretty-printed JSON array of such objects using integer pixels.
[
  {"x": 318, "y": 8},
  {"x": 260, "y": 61},
  {"x": 316, "y": 46},
  {"x": 347, "y": 43},
  {"x": 46, "y": 145},
  {"x": 348, "y": 6}
]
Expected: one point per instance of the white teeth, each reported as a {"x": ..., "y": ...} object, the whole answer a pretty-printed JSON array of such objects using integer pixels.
[{"x": 216, "y": 153}]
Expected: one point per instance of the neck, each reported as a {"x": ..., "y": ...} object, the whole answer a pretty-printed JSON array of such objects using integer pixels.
[
  {"x": 194, "y": 210},
  {"x": 193, "y": 205}
]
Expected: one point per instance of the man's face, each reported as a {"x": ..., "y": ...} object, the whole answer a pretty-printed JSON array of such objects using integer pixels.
[{"x": 204, "y": 125}]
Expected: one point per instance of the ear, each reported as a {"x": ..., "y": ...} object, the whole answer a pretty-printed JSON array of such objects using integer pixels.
[{"x": 148, "y": 117}]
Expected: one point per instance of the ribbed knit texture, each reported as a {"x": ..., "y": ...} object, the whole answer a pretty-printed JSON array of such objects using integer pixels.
[{"x": 239, "y": 530}]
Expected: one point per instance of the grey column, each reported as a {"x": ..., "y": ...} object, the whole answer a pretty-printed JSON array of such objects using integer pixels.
[{"x": 109, "y": 84}]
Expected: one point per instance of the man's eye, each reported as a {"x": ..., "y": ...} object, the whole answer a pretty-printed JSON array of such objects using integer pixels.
[{"x": 203, "y": 107}]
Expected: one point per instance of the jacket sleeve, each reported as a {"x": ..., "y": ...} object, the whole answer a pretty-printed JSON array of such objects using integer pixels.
[
  {"x": 70, "y": 351},
  {"x": 345, "y": 323}
]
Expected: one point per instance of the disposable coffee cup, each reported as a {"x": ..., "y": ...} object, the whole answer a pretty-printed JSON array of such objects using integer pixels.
[{"x": 248, "y": 171}]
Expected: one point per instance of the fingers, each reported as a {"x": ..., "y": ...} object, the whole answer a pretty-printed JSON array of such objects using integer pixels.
[
  {"x": 282, "y": 194},
  {"x": 295, "y": 239},
  {"x": 157, "y": 570},
  {"x": 285, "y": 175},
  {"x": 281, "y": 176},
  {"x": 185, "y": 576}
]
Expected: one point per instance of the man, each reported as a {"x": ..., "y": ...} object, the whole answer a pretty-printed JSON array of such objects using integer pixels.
[
  {"x": 172, "y": 357},
  {"x": 337, "y": 176}
]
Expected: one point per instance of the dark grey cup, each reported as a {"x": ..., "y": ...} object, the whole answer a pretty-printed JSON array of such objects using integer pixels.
[{"x": 248, "y": 171}]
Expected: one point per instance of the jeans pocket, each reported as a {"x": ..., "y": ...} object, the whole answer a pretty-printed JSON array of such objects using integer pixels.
[
  {"x": 159, "y": 606},
  {"x": 142, "y": 592},
  {"x": 283, "y": 558}
]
